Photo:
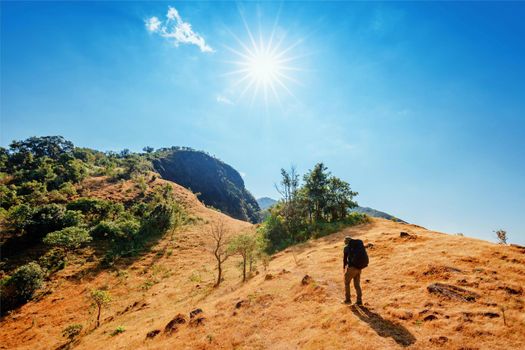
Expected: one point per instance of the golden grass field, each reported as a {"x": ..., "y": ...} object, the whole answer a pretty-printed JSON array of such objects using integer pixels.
[{"x": 274, "y": 309}]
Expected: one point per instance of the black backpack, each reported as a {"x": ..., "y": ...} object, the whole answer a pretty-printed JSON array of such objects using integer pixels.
[{"x": 357, "y": 256}]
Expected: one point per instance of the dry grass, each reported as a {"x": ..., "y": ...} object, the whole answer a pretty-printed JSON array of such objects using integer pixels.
[{"x": 274, "y": 310}]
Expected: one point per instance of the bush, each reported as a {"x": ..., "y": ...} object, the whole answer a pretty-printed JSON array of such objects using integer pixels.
[
  {"x": 118, "y": 330},
  {"x": 95, "y": 209},
  {"x": 69, "y": 238},
  {"x": 49, "y": 218},
  {"x": 23, "y": 283},
  {"x": 72, "y": 331},
  {"x": 53, "y": 260},
  {"x": 159, "y": 220}
]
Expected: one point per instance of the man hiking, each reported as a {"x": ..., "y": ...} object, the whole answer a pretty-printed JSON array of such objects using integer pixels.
[{"x": 354, "y": 260}]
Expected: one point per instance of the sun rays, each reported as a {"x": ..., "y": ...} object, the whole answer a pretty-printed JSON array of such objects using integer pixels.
[{"x": 264, "y": 66}]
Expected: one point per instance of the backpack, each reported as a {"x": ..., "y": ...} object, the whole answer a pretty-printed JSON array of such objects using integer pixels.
[{"x": 357, "y": 256}]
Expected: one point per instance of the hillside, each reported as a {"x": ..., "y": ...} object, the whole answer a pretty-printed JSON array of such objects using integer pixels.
[
  {"x": 265, "y": 202},
  {"x": 375, "y": 213},
  {"x": 218, "y": 184},
  {"x": 276, "y": 309}
]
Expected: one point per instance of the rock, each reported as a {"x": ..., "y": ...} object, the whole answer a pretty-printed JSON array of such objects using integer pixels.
[
  {"x": 173, "y": 324},
  {"x": 369, "y": 246},
  {"x": 430, "y": 318},
  {"x": 439, "y": 340},
  {"x": 490, "y": 314},
  {"x": 306, "y": 280},
  {"x": 152, "y": 334},
  {"x": 404, "y": 234},
  {"x": 268, "y": 277},
  {"x": 512, "y": 290},
  {"x": 241, "y": 303},
  {"x": 195, "y": 313},
  {"x": 452, "y": 292},
  {"x": 197, "y": 321}
]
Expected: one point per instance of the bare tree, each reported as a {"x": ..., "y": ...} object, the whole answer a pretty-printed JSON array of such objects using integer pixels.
[{"x": 218, "y": 233}]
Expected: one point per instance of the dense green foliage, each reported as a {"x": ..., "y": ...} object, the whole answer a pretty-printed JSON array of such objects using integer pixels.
[
  {"x": 68, "y": 238},
  {"x": 21, "y": 285},
  {"x": 40, "y": 206},
  {"x": 317, "y": 207}
]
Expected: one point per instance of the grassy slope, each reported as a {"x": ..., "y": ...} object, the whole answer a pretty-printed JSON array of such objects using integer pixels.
[{"x": 278, "y": 312}]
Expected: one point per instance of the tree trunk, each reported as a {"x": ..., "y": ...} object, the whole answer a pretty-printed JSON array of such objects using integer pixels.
[
  {"x": 244, "y": 269},
  {"x": 219, "y": 275},
  {"x": 98, "y": 315}
]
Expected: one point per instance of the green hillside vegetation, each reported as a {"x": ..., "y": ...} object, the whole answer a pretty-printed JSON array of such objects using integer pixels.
[
  {"x": 317, "y": 207},
  {"x": 40, "y": 208}
]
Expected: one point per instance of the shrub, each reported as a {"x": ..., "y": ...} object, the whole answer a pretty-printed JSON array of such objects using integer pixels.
[
  {"x": 72, "y": 331},
  {"x": 53, "y": 260},
  {"x": 24, "y": 281},
  {"x": 96, "y": 209},
  {"x": 49, "y": 218},
  {"x": 159, "y": 220},
  {"x": 118, "y": 330},
  {"x": 69, "y": 238}
]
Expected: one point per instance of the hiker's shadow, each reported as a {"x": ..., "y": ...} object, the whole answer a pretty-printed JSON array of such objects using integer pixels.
[{"x": 384, "y": 328}]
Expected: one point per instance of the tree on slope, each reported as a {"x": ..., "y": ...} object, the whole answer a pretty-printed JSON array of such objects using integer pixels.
[{"x": 218, "y": 234}]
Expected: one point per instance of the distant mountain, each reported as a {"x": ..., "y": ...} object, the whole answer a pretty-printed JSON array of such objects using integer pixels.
[
  {"x": 218, "y": 184},
  {"x": 376, "y": 213},
  {"x": 266, "y": 202}
]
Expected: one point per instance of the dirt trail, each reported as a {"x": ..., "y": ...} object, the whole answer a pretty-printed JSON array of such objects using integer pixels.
[{"x": 275, "y": 310}]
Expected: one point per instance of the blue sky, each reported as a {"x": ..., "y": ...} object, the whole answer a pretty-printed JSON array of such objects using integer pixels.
[{"x": 420, "y": 106}]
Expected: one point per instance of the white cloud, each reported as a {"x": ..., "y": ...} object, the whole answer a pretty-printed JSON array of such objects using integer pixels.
[
  {"x": 223, "y": 99},
  {"x": 243, "y": 175},
  {"x": 153, "y": 24},
  {"x": 176, "y": 29}
]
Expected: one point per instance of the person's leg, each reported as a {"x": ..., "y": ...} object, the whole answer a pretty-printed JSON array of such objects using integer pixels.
[
  {"x": 357, "y": 285},
  {"x": 347, "y": 285}
]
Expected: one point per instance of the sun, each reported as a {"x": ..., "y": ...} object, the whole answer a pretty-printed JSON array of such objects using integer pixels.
[{"x": 264, "y": 67}]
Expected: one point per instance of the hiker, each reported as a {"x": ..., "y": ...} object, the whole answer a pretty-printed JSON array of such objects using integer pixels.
[{"x": 354, "y": 260}]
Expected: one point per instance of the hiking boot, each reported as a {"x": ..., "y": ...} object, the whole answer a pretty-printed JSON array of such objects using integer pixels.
[
  {"x": 359, "y": 302},
  {"x": 347, "y": 302}
]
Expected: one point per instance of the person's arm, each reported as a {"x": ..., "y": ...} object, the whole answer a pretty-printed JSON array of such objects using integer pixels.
[{"x": 345, "y": 257}]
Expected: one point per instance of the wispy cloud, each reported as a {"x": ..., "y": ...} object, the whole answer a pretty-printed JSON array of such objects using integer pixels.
[
  {"x": 174, "y": 28},
  {"x": 224, "y": 100}
]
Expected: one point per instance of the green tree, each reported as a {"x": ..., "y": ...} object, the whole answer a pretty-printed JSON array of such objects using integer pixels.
[
  {"x": 316, "y": 186},
  {"x": 339, "y": 199},
  {"x": 100, "y": 299},
  {"x": 245, "y": 245},
  {"x": 68, "y": 239}
]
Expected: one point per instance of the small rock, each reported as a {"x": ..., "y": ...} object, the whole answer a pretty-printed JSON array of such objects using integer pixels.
[
  {"x": 268, "y": 276},
  {"x": 306, "y": 280},
  {"x": 430, "y": 318},
  {"x": 369, "y": 245},
  {"x": 490, "y": 314},
  {"x": 404, "y": 234},
  {"x": 197, "y": 321},
  {"x": 241, "y": 303},
  {"x": 195, "y": 313},
  {"x": 172, "y": 325},
  {"x": 439, "y": 340},
  {"x": 152, "y": 334}
]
